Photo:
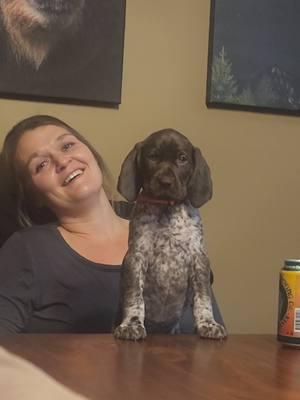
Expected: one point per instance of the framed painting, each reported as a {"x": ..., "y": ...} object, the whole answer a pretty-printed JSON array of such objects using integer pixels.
[
  {"x": 68, "y": 51},
  {"x": 254, "y": 56}
]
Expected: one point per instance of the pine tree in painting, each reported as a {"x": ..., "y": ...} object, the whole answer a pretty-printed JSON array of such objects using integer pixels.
[
  {"x": 223, "y": 85},
  {"x": 265, "y": 92},
  {"x": 246, "y": 97}
]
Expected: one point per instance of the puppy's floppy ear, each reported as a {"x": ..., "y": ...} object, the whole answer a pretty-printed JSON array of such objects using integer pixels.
[
  {"x": 129, "y": 182},
  {"x": 200, "y": 184}
]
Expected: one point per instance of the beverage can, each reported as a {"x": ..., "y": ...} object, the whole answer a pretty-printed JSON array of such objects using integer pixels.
[{"x": 289, "y": 303}]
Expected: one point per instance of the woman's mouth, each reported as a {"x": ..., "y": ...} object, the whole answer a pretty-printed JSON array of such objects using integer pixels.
[{"x": 73, "y": 175}]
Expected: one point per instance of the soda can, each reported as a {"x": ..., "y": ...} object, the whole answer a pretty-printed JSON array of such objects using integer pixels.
[{"x": 289, "y": 304}]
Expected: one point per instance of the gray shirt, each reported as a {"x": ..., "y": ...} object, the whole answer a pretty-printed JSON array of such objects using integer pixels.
[{"x": 45, "y": 286}]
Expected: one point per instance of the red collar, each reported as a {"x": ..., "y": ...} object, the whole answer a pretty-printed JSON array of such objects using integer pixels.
[{"x": 151, "y": 200}]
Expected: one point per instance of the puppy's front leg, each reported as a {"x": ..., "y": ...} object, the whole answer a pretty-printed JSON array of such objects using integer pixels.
[
  {"x": 132, "y": 302},
  {"x": 206, "y": 325}
]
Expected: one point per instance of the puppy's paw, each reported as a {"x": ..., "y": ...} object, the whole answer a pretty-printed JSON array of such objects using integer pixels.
[
  {"x": 210, "y": 329},
  {"x": 132, "y": 331}
]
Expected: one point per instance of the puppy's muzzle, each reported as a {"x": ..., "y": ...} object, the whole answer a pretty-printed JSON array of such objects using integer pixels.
[{"x": 165, "y": 183}]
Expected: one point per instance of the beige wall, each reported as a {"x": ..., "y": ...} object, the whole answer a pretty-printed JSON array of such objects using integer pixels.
[{"x": 252, "y": 221}]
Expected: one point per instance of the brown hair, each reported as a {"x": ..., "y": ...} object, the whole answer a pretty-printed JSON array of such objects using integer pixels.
[{"x": 16, "y": 179}]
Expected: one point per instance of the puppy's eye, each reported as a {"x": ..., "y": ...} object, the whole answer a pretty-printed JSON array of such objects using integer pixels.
[
  {"x": 152, "y": 156},
  {"x": 182, "y": 158}
]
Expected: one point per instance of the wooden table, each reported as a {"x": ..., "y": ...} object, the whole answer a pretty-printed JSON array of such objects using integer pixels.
[{"x": 165, "y": 367}]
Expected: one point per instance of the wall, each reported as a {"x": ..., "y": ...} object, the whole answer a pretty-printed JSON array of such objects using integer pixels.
[{"x": 252, "y": 221}]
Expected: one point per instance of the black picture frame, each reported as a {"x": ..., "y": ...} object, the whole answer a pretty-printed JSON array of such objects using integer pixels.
[
  {"x": 76, "y": 59},
  {"x": 253, "y": 62}
]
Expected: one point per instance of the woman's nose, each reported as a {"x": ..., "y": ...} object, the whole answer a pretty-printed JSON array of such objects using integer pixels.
[{"x": 61, "y": 161}]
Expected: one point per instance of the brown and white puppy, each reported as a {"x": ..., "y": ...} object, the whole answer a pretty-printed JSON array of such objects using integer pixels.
[
  {"x": 35, "y": 26},
  {"x": 166, "y": 260}
]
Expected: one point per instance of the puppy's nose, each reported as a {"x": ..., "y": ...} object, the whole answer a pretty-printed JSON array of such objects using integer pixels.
[{"x": 165, "y": 180}]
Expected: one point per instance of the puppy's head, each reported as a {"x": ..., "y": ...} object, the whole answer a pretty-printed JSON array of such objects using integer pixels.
[{"x": 166, "y": 166}]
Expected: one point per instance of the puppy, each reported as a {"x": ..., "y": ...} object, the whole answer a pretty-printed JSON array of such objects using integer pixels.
[{"x": 166, "y": 259}]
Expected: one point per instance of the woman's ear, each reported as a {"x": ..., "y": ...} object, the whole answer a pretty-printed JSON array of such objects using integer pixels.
[
  {"x": 200, "y": 184},
  {"x": 129, "y": 182}
]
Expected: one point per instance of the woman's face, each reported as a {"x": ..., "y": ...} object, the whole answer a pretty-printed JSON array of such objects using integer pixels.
[{"x": 62, "y": 170}]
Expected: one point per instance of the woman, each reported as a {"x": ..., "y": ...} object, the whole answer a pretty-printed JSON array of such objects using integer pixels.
[{"x": 62, "y": 276}]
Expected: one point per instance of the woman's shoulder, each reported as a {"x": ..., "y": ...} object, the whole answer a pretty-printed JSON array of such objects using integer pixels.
[
  {"x": 28, "y": 244},
  {"x": 33, "y": 235}
]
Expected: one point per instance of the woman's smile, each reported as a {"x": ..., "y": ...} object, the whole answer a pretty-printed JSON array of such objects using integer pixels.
[{"x": 73, "y": 176}]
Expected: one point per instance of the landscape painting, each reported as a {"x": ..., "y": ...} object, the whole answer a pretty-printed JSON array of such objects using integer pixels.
[{"x": 254, "y": 55}]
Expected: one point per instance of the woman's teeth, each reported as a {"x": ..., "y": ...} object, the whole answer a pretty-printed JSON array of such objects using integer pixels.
[{"x": 72, "y": 176}]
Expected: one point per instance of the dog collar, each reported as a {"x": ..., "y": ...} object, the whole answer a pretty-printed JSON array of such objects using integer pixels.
[{"x": 151, "y": 200}]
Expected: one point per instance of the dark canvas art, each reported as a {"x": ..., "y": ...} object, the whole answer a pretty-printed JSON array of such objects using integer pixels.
[
  {"x": 254, "y": 55},
  {"x": 67, "y": 51}
]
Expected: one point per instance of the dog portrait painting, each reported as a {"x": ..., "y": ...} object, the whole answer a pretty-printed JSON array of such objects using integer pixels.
[
  {"x": 62, "y": 50},
  {"x": 166, "y": 267}
]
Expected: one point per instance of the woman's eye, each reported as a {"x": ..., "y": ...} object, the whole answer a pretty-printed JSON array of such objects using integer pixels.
[
  {"x": 67, "y": 146},
  {"x": 40, "y": 166}
]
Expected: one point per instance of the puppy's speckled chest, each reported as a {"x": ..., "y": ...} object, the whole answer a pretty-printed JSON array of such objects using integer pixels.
[
  {"x": 157, "y": 230},
  {"x": 167, "y": 238}
]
